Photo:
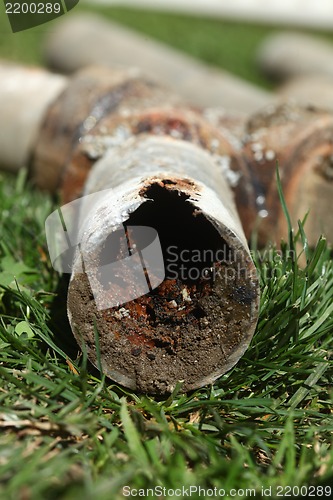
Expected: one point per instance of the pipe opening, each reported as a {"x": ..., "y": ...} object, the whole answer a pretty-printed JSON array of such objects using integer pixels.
[{"x": 190, "y": 243}]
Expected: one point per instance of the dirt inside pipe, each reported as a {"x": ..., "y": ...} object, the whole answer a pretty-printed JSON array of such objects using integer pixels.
[{"x": 194, "y": 326}]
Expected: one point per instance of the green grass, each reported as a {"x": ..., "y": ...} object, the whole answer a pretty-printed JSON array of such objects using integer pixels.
[{"x": 67, "y": 433}]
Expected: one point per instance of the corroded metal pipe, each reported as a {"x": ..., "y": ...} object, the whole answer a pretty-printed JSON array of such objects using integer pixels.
[
  {"x": 163, "y": 166},
  {"x": 25, "y": 94},
  {"x": 197, "y": 323},
  {"x": 86, "y": 39},
  {"x": 287, "y": 55}
]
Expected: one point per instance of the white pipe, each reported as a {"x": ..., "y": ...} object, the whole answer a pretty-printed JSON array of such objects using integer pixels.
[{"x": 25, "y": 94}]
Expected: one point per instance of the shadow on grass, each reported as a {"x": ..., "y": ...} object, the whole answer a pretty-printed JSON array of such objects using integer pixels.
[{"x": 59, "y": 325}]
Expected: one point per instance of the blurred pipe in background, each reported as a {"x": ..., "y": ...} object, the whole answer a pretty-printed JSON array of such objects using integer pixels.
[
  {"x": 82, "y": 40},
  {"x": 160, "y": 165},
  {"x": 289, "y": 54},
  {"x": 305, "y": 13}
]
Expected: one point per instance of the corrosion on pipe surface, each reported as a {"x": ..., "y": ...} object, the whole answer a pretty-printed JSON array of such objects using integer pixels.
[{"x": 150, "y": 162}]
